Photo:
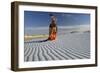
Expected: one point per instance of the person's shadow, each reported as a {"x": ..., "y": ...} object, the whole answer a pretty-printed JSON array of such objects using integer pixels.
[{"x": 38, "y": 41}]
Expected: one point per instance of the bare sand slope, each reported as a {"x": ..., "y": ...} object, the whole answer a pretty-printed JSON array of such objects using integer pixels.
[{"x": 65, "y": 47}]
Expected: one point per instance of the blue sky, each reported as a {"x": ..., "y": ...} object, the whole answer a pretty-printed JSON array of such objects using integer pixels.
[{"x": 34, "y": 19}]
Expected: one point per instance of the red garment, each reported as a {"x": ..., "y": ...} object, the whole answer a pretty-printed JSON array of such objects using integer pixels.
[{"x": 52, "y": 36}]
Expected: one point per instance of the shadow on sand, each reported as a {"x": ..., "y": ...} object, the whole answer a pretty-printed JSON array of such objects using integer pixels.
[{"x": 38, "y": 41}]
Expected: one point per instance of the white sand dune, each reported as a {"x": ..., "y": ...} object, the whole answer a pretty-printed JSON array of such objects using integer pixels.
[{"x": 65, "y": 47}]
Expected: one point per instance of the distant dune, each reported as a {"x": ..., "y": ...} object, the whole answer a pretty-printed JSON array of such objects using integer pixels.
[
  {"x": 67, "y": 46},
  {"x": 61, "y": 30},
  {"x": 30, "y": 37}
]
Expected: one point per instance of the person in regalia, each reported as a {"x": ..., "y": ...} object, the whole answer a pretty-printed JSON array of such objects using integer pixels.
[{"x": 52, "y": 28}]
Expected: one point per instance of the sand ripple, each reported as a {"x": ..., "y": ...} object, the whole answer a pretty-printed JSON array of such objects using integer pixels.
[{"x": 66, "y": 47}]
